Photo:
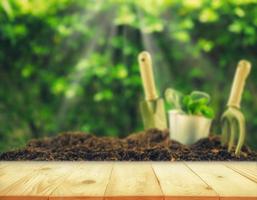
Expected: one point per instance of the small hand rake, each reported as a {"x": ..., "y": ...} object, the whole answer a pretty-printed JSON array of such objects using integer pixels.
[{"x": 233, "y": 120}]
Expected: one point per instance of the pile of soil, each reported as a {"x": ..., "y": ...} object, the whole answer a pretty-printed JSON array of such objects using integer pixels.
[{"x": 152, "y": 145}]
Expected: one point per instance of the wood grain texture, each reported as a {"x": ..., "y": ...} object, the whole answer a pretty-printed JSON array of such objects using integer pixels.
[
  {"x": 133, "y": 181},
  {"x": 226, "y": 182},
  {"x": 179, "y": 182},
  {"x": 16, "y": 175},
  {"x": 127, "y": 180},
  {"x": 247, "y": 169},
  {"x": 85, "y": 181},
  {"x": 23, "y": 198}
]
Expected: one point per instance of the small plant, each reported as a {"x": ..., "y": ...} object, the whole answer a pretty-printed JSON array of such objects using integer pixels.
[
  {"x": 196, "y": 103},
  {"x": 190, "y": 116}
]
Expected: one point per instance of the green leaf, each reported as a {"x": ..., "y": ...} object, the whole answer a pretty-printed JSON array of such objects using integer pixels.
[
  {"x": 199, "y": 96},
  {"x": 208, "y": 15},
  {"x": 207, "y": 111},
  {"x": 7, "y": 8}
]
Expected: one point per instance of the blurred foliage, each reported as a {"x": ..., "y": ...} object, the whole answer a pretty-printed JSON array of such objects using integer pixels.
[{"x": 72, "y": 64}]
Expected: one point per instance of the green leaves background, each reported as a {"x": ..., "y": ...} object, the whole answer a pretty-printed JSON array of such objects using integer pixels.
[{"x": 72, "y": 64}]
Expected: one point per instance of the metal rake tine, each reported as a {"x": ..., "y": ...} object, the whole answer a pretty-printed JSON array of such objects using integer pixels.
[
  {"x": 233, "y": 129},
  {"x": 241, "y": 138}
]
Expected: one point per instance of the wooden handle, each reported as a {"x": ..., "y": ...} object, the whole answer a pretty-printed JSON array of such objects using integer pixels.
[
  {"x": 242, "y": 71},
  {"x": 146, "y": 72}
]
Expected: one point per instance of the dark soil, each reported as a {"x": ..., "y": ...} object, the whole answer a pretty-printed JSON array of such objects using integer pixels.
[{"x": 150, "y": 145}]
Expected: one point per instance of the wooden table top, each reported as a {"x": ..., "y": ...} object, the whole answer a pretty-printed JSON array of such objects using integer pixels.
[{"x": 128, "y": 180}]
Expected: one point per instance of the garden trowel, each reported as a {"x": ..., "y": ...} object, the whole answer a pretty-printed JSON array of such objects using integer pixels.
[
  {"x": 233, "y": 120},
  {"x": 152, "y": 108}
]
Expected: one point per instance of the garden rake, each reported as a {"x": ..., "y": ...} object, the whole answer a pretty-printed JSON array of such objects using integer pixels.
[{"x": 233, "y": 120}]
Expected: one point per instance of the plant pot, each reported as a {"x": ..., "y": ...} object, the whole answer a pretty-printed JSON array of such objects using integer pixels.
[{"x": 187, "y": 129}]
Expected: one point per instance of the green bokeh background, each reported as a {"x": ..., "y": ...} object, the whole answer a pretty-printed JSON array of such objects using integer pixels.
[{"x": 71, "y": 65}]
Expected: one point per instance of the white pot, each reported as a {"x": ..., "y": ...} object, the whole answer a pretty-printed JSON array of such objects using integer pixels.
[{"x": 187, "y": 129}]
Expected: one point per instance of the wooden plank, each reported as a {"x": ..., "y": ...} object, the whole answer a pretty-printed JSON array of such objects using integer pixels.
[
  {"x": 247, "y": 169},
  {"x": 130, "y": 180},
  {"x": 4, "y": 164},
  {"x": 86, "y": 181},
  {"x": 24, "y": 198},
  {"x": 179, "y": 182},
  {"x": 127, "y": 180},
  {"x": 6, "y": 172},
  {"x": 226, "y": 182},
  {"x": 39, "y": 181},
  {"x": 12, "y": 173}
]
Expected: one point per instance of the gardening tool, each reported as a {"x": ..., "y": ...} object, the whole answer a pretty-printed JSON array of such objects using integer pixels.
[
  {"x": 233, "y": 120},
  {"x": 152, "y": 108}
]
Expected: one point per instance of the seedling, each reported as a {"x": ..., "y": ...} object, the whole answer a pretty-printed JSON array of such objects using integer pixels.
[
  {"x": 196, "y": 103},
  {"x": 233, "y": 120}
]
